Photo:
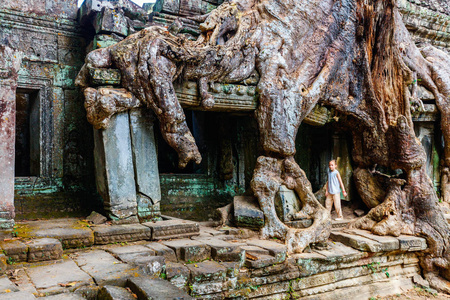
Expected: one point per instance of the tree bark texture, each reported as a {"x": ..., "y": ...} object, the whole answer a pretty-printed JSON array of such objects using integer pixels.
[{"x": 352, "y": 55}]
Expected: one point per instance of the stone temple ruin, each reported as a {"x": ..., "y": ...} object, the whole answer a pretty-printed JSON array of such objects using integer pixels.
[{"x": 206, "y": 127}]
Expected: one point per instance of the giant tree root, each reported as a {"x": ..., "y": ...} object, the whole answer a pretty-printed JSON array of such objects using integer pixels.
[{"x": 269, "y": 174}]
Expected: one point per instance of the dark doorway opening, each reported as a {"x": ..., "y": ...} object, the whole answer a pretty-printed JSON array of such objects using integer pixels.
[{"x": 27, "y": 160}]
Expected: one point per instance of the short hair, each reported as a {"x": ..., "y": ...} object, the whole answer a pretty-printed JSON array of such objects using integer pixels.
[{"x": 333, "y": 160}]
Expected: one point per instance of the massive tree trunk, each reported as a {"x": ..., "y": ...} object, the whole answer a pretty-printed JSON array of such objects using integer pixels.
[{"x": 353, "y": 55}]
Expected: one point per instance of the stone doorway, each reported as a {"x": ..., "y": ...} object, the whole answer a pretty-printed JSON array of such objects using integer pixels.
[{"x": 27, "y": 149}]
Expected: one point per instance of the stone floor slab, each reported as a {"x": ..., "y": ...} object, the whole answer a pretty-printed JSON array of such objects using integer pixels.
[
  {"x": 17, "y": 296},
  {"x": 131, "y": 249},
  {"x": 171, "y": 229},
  {"x": 106, "y": 234},
  {"x": 388, "y": 243},
  {"x": 54, "y": 274},
  {"x": 65, "y": 296},
  {"x": 72, "y": 232},
  {"x": 6, "y": 286},
  {"x": 104, "y": 268},
  {"x": 357, "y": 242}
]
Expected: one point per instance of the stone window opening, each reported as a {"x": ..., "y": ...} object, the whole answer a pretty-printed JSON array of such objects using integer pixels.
[{"x": 27, "y": 144}]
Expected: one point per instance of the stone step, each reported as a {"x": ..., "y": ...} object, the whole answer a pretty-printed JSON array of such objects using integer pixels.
[
  {"x": 171, "y": 229},
  {"x": 155, "y": 289},
  {"x": 110, "y": 292}
]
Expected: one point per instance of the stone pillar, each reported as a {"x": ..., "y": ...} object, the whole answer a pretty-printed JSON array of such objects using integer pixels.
[
  {"x": 145, "y": 160},
  {"x": 126, "y": 165},
  {"x": 114, "y": 169},
  {"x": 10, "y": 61}
]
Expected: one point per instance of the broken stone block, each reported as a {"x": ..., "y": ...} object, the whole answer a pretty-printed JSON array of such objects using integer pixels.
[
  {"x": 44, "y": 249},
  {"x": 219, "y": 248},
  {"x": 260, "y": 261},
  {"x": 287, "y": 203},
  {"x": 177, "y": 274},
  {"x": 105, "y": 76},
  {"x": 269, "y": 270},
  {"x": 247, "y": 212},
  {"x": 388, "y": 243},
  {"x": 105, "y": 40},
  {"x": 189, "y": 250},
  {"x": 153, "y": 266},
  {"x": 276, "y": 249},
  {"x": 109, "y": 292},
  {"x": 106, "y": 234},
  {"x": 356, "y": 242},
  {"x": 15, "y": 250},
  {"x": 232, "y": 268},
  {"x": 358, "y": 212},
  {"x": 111, "y": 21},
  {"x": 162, "y": 250},
  {"x": 207, "y": 271},
  {"x": 96, "y": 218},
  {"x": 418, "y": 280},
  {"x": 170, "y": 229},
  {"x": 114, "y": 168},
  {"x": 145, "y": 163},
  {"x": 412, "y": 243},
  {"x": 157, "y": 289}
]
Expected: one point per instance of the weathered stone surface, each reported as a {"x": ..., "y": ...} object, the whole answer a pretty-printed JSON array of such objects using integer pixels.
[
  {"x": 9, "y": 67},
  {"x": 220, "y": 248},
  {"x": 247, "y": 212},
  {"x": 104, "y": 268},
  {"x": 109, "y": 292},
  {"x": 255, "y": 250},
  {"x": 72, "y": 233},
  {"x": 237, "y": 255},
  {"x": 212, "y": 289},
  {"x": 138, "y": 258},
  {"x": 286, "y": 204},
  {"x": 51, "y": 275},
  {"x": 105, "y": 234},
  {"x": 6, "y": 286},
  {"x": 412, "y": 243},
  {"x": 65, "y": 296},
  {"x": 15, "y": 249},
  {"x": 17, "y": 296},
  {"x": 276, "y": 249},
  {"x": 189, "y": 250},
  {"x": 145, "y": 163},
  {"x": 58, "y": 8},
  {"x": 169, "y": 229},
  {"x": 131, "y": 249},
  {"x": 44, "y": 249},
  {"x": 419, "y": 281},
  {"x": 163, "y": 250},
  {"x": 156, "y": 289},
  {"x": 105, "y": 76},
  {"x": 96, "y": 218},
  {"x": 114, "y": 168},
  {"x": 232, "y": 268},
  {"x": 270, "y": 289},
  {"x": 388, "y": 243},
  {"x": 109, "y": 21},
  {"x": 357, "y": 242},
  {"x": 207, "y": 271},
  {"x": 177, "y": 274},
  {"x": 305, "y": 223},
  {"x": 269, "y": 270},
  {"x": 260, "y": 261},
  {"x": 152, "y": 266}
]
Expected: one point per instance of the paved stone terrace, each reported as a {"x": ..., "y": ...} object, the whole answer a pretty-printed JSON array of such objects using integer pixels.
[{"x": 204, "y": 263}]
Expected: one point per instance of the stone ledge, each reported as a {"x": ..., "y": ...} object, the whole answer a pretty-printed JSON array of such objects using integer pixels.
[
  {"x": 170, "y": 229},
  {"x": 106, "y": 234}
]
